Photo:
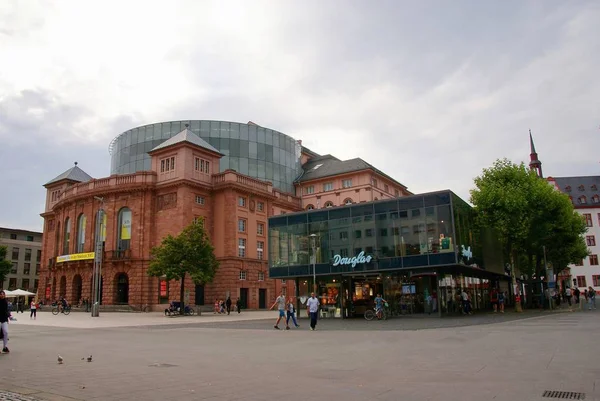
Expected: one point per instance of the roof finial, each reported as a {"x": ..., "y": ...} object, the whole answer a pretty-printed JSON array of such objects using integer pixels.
[{"x": 75, "y": 163}]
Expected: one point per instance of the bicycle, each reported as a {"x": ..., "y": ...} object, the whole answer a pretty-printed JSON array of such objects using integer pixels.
[
  {"x": 371, "y": 313},
  {"x": 59, "y": 309}
]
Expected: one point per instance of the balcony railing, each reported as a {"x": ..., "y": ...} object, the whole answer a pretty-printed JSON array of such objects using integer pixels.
[{"x": 118, "y": 255}]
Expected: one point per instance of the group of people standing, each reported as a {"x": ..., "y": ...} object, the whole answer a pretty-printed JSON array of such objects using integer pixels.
[
  {"x": 224, "y": 307},
  {"x": 568, "y": 294}
]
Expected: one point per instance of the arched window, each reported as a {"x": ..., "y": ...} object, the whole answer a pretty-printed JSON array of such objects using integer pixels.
[
  {"x": 310, "y": 207},
  {"x": 67, "y": 236},
  {"x": 81, "y": 223},
  {"x": 124, "y": 226},
  {"x": 348, "y": 201},
  {"x": 328, "y": 204}
]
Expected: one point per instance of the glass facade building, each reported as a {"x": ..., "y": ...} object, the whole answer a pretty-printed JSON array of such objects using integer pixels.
[
  {"x": 409, "y": 245},
  {"x": 249, "y": 149}
]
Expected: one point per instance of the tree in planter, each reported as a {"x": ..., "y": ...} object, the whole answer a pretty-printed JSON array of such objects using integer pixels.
[
  {"x": 5, "y": 265},
  {"x": 528, "y": 214},
  {"x": 189, "y": 253}
]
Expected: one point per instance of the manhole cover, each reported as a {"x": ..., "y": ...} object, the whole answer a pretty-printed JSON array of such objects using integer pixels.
[
  {"x": 8, "y": 396},
  {"x": 564, "y": 395},
  {"x": 161, "y": 365}
]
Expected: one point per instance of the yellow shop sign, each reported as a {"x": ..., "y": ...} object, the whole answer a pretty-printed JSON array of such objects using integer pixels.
[{"x": 75, "y": 256}]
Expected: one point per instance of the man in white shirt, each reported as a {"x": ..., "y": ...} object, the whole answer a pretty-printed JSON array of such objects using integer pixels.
[
  {"x": 280, "y": 302},
  {"x": 312, "y": 307}
]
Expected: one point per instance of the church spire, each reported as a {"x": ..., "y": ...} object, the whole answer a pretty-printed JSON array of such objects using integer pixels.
[{"x": 534, "y": 163}]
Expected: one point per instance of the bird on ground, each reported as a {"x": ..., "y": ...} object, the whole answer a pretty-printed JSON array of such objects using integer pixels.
[
  {"x": 89, "y": 358},
  {"x": 60, "y": 360}
]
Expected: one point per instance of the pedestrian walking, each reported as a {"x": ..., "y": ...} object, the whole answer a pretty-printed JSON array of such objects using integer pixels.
[
  {"x": 577, "y": 293},
  {"x": 568, "y": 295},
  {"x": 312, "y": 309},
  {"x": 4, "y": 317},
  {"x": 238, "y": 305},
  {"x": 228, "y": 305},
  {"x": 33, "y": 309},
  {"x": 280, "y": 302},
  {"x": 291, "y": 314},
  {"x": 591, "y": 298}
]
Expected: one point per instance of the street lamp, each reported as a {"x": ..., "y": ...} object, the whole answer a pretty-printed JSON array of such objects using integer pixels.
[
  {"x": 313, "y": 240},
  {"x": 97, "y": 260}
]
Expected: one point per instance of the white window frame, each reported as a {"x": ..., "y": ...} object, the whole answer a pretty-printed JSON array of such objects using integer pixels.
[
  {"x": 328, "y": 186},
  {"x": 260, "y": 229},
  {"x": 309, "y": 190},
  {"x": 200, "y": 200},
  {"x": 241, "y": 247},
  {"x": 347, "y": 183},
  {"x": 241, "y": 201},
  {"x": 261, "y": 276},
  {"x": 260, "y": 249},
  {"x": 243, "y": 275},
  {"x": 242, "y": 225},
  {"x": 260, "y": 206}
]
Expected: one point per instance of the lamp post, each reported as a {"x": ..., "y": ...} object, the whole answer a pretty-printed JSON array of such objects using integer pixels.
[
  {"x": 313, "y": 240},
  {"x": 97, "y": 274}
]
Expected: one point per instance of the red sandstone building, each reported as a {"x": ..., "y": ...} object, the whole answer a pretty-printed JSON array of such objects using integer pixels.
[{"x": 234, "y": 176}]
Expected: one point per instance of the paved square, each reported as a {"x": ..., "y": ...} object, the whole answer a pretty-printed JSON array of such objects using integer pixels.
[{"x": 149, "y": 357}]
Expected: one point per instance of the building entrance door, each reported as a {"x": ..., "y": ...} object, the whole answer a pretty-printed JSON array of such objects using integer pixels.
[
  {"x": 199, "y": 297},
  {"x": 262, "y": 298},
  {"x": 244, "y": 297}
]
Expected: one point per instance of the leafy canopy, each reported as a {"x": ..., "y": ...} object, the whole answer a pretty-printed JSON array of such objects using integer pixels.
[
  {"x": 528, "y": 214},
  {"x": 189, "y": 253},
  {"x": 5, "y": 265}
]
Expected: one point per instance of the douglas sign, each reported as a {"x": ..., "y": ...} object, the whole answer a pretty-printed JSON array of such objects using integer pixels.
[{"x": 358, "y": 259}]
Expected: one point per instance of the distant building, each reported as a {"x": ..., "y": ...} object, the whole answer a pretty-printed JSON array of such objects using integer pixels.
[
  {"x": 585, "y": 194},
  {"x": 24, "y": 250}
]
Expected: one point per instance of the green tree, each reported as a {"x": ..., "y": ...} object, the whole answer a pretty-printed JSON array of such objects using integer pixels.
[
  {"x": 528, "y": 214},
  {"x": 189, "y": 253},
  {"x": 5, "y": 265}
]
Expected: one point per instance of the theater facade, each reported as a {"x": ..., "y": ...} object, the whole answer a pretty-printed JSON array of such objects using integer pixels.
[{"x": 419, "y": 251}]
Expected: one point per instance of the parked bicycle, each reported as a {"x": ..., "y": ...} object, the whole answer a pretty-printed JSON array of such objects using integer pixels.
[
  {"x": 59, "y": 309},
  {"x": 370, "y": 314}
]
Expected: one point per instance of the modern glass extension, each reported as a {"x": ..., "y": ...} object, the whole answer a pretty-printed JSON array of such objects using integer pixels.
[{"x": 420, "y": 252}]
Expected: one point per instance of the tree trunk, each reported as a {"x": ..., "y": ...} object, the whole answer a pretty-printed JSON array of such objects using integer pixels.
[
  {"x": 181, "y": 296},
  {"x": 517, "y": 294}
]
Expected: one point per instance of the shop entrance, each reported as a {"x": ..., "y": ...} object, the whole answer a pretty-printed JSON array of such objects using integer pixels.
[
  {"x": 414, "y": 294},
  {"x": 359, "y": 293}
]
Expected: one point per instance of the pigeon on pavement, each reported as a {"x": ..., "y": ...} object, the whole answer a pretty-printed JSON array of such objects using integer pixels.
[
  {"x": 89, "y": 358},
  {"x": 60, "y": 360}
]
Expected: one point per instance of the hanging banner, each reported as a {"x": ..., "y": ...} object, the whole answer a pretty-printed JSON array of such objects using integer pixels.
[
  {"x": 75, "y": 256},
  {"x": 82, "y": 228},
  {"x": 103, "y": 228},
  {"x": 126, "y": 225}
]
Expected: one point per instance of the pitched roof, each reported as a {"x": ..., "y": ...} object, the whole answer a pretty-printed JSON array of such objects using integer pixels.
[
  {"x": 72, "y": 174},
  {"x": 328, "y": 165},
  {"x": 576, "y": 187},
  {"x": 186, "y": 136}
]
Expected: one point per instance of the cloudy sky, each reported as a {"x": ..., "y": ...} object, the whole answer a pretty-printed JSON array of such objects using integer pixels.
[{"x": 430, "y": 92}]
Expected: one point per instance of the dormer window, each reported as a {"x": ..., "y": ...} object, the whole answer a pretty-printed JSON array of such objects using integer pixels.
[
  {"x": 582, "y": 200},
  {"x": 581, "y": 188},
  {"x": 594, "y": 187},
  {"x": 167, "y": 164},
  {"x": 568, "y": 188},
  {"x": 595, "y": 199}
]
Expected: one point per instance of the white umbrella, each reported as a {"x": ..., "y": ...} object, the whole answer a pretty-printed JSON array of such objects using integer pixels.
[
  {"x": 8, "y": 293},
  {"x": 20, "y": 293}
]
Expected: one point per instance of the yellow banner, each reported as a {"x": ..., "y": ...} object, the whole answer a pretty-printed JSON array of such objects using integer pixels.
[
  {"x": 75, "y": 256},
  {"x": 126, "y": 225},
  {"x": 103, "y": 234}
]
